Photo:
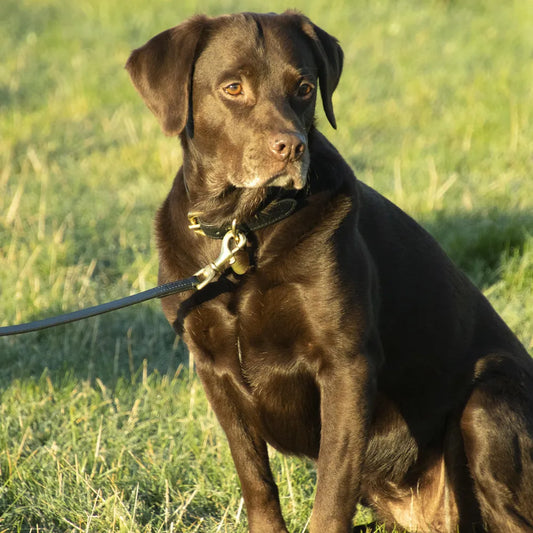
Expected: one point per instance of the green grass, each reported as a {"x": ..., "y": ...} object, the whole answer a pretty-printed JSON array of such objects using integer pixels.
[{"x": 103, "y": 426}]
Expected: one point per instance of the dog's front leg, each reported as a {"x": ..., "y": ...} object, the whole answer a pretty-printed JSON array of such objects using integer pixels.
[
  {"x": 249, "y": 452},
  {"x": 347, "y": 390}
]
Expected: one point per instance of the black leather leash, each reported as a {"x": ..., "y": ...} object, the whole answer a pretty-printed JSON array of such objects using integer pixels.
[{"x": 174, "y": 287}]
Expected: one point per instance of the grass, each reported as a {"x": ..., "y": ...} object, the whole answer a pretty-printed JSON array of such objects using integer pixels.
[{"x": 103, "y": 425}]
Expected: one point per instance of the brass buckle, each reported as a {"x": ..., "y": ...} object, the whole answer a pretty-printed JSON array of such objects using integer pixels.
[{"x": 194, "y": 223}]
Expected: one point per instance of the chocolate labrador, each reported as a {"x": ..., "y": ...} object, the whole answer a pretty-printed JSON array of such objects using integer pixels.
[{"x": 338, "y": 329}]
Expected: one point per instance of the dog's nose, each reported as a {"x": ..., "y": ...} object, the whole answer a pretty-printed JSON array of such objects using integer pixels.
[{"x": 288, "y": 145}]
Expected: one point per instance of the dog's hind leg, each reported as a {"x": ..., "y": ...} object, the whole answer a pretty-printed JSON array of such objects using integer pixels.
[{"x": 497, "y": 428}]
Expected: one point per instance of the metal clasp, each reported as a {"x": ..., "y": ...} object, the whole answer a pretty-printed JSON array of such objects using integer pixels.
[
  {"x": 233, "y": 241},
  {"x": 194, "y": 223}
]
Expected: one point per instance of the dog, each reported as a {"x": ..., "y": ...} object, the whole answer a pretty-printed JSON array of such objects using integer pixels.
[{"x": 339, "y": 330}]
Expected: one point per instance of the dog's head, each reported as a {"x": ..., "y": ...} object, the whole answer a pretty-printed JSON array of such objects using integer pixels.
[{"x": 240, "y": 90}]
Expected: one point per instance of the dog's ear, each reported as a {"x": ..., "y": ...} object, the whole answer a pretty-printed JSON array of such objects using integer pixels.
[
  {"x": 161, "y": 71},
  {"x": 329, "y": 57}
]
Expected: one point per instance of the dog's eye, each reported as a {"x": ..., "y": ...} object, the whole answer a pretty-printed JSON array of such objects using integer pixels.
[
  {"x": 304, "y": 89},
  {"x": 233, "y": 89}
]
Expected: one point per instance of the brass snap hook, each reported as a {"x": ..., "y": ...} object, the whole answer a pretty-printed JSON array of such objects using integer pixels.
[{"x": 233, "y": 242}]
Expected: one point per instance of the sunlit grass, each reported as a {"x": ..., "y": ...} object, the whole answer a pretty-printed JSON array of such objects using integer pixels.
[{"x": 103, "y": 426}]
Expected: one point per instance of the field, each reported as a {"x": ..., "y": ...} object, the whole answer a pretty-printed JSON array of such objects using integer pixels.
[{"x": 103, "y": 424}]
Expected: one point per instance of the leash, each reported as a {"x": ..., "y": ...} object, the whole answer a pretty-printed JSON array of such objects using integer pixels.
[
  {"x": 232, "y": 243},
  {"x": 157, "y": 292},
  {"x": 233, "y": 238}
]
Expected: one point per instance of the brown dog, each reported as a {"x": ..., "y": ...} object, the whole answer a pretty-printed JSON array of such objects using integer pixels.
[{"x": 349, "y": 337}]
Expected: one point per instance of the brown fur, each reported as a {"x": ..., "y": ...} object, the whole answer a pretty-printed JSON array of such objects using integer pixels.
[{"x": 352, "y": 339}]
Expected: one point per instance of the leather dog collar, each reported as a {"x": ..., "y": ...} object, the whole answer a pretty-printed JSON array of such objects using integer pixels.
[{"x": 275, "y": 211}]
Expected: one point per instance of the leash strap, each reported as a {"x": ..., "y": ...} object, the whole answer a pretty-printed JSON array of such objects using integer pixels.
[{"x": 167, "y": 289}]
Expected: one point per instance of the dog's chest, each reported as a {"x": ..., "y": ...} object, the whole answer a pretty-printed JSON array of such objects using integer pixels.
[
  {"x": 280, "y": 342},
  {"x": 286, "y": 399},
  {"x": 267, "y": 341}
]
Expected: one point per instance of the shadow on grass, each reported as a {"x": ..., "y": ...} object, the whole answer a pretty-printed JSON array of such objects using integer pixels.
[
  {"x": 480, "y": 242},
  {"x": 109, "y": 347}
]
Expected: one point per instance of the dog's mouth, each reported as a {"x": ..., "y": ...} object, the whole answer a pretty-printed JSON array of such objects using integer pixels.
[
  {"x": 286, "y": 181},
  {"x": 281, "y": 180},
  {"x": 290, "y": 177}
]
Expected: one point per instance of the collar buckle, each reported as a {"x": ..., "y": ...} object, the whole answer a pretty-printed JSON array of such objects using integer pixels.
[{"x": 194, "y": 223}]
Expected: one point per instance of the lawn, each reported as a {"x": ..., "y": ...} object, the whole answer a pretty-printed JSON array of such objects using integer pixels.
[{"x": 103, "y": 424}]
